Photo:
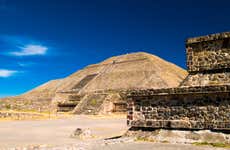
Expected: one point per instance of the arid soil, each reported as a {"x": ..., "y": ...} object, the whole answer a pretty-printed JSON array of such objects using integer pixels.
[{"x": 55, "y": 134}]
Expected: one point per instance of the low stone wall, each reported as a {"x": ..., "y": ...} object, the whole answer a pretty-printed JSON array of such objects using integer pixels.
[
  {"x": 181, "y": 108},
  {"x": 19, "y": 115},
  {"x": 40, "y": 105}
]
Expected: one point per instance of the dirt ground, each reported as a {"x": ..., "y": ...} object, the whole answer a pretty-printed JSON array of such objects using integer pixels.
[{"x": 55, "y": 134}]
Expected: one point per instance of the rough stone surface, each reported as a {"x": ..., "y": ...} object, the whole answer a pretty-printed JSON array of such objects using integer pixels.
[
  {"x": 201, "y": 79},
  {"x": 208, "y": 55},
  {"x": 201, "y": 108},
  {"x": 203, "y": 99}
]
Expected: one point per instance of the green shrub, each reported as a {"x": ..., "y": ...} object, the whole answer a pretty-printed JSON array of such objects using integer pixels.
[
  {"x": 93, "y": 102},
  {"x": 8, "y": 106}
]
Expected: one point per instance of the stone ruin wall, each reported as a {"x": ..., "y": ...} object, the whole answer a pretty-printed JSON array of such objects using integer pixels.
[
  {"x": 208, "y": 60},
  {"x": 203, "y": 99},
  {"x": 204, "y": 108},
  {"x": 208, "y": 55}
]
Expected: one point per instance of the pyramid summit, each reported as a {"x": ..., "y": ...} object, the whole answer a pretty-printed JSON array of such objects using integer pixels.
[{"x": 99, "y": 83}]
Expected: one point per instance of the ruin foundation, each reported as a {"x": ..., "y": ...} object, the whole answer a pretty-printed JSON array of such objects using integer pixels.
[{"x": 202, "y": 101}]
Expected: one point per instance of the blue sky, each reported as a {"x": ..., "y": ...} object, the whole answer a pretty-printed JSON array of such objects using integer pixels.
[{"x": 42, "y": 40}]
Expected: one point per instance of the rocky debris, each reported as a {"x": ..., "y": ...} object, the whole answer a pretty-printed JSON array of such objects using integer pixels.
[
  {"x": 115, "y": 144},
  {"x": 117, "y": 140},
  {"x": 179, "y": 136},
  {"x": 82, "y": 134}
]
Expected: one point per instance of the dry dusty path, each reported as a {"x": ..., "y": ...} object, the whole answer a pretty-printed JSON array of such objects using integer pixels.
[
  {"x": 52, "y": 132},
  {"x": 56, "y": 133}
]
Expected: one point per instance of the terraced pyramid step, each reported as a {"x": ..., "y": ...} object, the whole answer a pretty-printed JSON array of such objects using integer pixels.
[{"x": 69, "y": 104}]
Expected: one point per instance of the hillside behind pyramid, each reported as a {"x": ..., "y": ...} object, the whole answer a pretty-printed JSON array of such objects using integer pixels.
[{"x": 131, "y": 71}]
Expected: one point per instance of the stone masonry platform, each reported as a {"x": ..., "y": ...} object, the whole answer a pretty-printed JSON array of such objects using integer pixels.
[
  {"x": 202, "y": 101},
  {"x": 182, "y": 108}
]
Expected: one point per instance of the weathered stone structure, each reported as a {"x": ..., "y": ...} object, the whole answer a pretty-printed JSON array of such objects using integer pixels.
[
  {"x": 97, "y": 88},
  {"x": 202, "y": 101},
  {"x": 98, "y": 102}
]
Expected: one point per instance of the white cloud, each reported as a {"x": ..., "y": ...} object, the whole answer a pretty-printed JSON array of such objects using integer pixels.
[
  {"x": 23, "y": 64},
  {"x": 30, "y": 50},
  {"x": 4, "y": 73}
]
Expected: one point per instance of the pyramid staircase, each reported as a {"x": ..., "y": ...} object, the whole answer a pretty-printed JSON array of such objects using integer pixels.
[
  {"x": 90, "y": 104},
  {"x": 93, "y": 101}
]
